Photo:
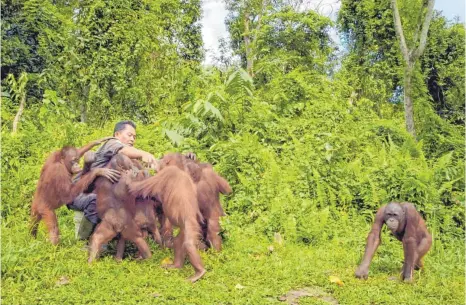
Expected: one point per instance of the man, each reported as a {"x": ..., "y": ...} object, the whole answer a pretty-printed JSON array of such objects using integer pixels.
[{"x": 124, "y": 133}]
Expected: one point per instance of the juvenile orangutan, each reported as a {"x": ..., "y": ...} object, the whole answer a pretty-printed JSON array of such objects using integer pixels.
[
  {"x": 116, "y": 209},
  {"x": 176, "y": 192},
  {"x": 56, "y": 188},
  {"x": 144, "y": 216},
  {"x": 209, "y": 185}
]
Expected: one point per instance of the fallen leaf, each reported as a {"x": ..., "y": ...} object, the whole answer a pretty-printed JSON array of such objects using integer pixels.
[
  {"x": 336, "y": 280},
  {"x": 63, "y": 280},
  {"x": 155, "y": 295},
  {"x": 257, "y": 256},
  {"x": 278, "y": 238},
  {"x": 270, "y": 248},
  {"x": 239, "y": 286},
  {"x": 166, "y": 261}
]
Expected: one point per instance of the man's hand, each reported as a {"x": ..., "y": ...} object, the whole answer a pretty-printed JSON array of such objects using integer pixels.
[
  {"x": 191, "y": 155},
  {"x": 149, "y": 159}
]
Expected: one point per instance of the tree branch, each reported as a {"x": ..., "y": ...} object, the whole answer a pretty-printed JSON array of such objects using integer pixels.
[
  {"x": 399, "y": 32},
  {"x": 418, "y": 25},
  {"x": 259, "y": 22},
  {"x": 425, "y": 30},
  {"x": 247, "y": 43},
  {"x": 19, "y": 113}
]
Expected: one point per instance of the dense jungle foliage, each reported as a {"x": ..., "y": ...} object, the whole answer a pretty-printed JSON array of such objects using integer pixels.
[{"x": 309, "y": 132}]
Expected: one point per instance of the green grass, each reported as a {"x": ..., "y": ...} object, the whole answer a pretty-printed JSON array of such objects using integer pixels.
[{"x": 245, "y": 272}]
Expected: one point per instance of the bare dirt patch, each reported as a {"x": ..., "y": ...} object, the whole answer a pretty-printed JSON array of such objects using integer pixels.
[{"x": 292, "y": 296}]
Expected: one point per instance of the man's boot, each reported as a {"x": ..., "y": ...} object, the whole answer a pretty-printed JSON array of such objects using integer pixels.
[{"x": 83, "y": 227}]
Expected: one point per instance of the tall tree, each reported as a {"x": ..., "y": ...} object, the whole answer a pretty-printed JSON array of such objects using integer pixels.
[
  {"x": 412, "y": 53},
  {"x": 265, "y": 32},
  {"x": 297, "y": 39},
  {"x": 244, "y": 23}
]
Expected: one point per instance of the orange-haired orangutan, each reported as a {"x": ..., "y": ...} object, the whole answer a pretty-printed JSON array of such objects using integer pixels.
[
  {"x": 55, "y": 187},
  {"x": 408, "y": 227},
  {"x": 116, "y": 209},
  {"x": 175, "y": 190},
  {"x": 144, "y": 215},
  {"x": 209, "y": 185}
]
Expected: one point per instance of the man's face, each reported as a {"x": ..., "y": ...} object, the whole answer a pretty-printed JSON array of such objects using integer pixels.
[{"x": 127, "y": 136}]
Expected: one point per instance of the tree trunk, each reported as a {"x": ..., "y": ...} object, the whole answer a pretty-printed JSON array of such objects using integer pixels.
[
  {"x": 84, "y": 97},
  {"x": 408, "y": 102},
  {"x": 83, "y": 113},
  {"x": 247, "y": 45},
  {"x": 411, "y": 55},
  {"x": 19, "y": 113}
]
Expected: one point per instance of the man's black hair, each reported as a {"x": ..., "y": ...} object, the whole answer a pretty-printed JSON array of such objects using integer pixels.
[{"x": 122, "y": 125}]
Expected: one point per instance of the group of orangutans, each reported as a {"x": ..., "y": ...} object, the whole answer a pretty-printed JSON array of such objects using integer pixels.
[
  {"x": 130, "y": 203},
  {"x": 185, "y": 194}
]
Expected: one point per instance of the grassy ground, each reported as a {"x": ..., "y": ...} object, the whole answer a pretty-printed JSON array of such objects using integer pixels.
[{"x": 247, "y": 271}]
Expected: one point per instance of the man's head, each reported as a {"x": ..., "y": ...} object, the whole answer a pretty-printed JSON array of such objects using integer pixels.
[{"x": 125, "y": 131}]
